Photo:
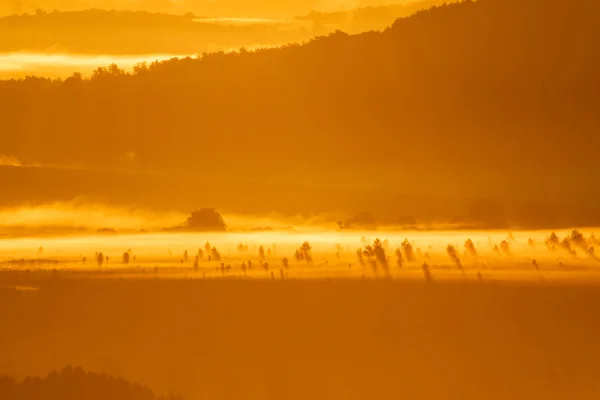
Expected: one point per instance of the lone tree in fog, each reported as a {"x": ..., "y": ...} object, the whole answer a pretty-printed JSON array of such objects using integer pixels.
[
  {"x": 361, "y": 259},
  {"x": 565, "y": 244},
  {"x": 470, "y": 248},
  {"x": 215, "y": 255},
  {"x": 408, "y": 250},
  {"x": 304, "y": 253},
  {"x": 100, "y": 259},
  {"x": 379, "y": 253},
  {"x": 399, "y": 257},
  {"x": 205, "y": 219},
  {"x": 552, "y": 241},
  {"x": 505, "y": 247},
  {"x": 453, "y": 254},
  {"x": 126, "y": 257}
]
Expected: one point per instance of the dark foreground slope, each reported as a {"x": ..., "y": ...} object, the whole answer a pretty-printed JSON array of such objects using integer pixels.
[
  {"x": 296, "y": 340},
  {"x": 75, "y": 384},
  {"x": 496, "y": 98}
]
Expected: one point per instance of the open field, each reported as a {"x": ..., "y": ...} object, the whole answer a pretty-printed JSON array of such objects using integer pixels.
[
  {"x": 494, "y": 255},
  {"x": 350, "y": 339}
]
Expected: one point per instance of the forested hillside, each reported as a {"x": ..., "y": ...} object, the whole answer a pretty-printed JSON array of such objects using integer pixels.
[{"x": 485, "y": 89}]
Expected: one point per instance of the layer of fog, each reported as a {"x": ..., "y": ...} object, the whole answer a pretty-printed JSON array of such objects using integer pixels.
[{"x": 56, "y": 65}]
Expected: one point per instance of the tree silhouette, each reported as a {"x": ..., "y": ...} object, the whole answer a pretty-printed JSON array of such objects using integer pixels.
[
  {"x": 215, "y": 255},
  {"x": 75, "y": 384},
  {"x": 505, "y": 248},
  {"x": 566, "y": 245},
  {"x": 361, "y": 260},
  {"x": 304, "y": 253},
  {"x": 205, "y": 219},
  {"x": 453, "y": 254},
  {"x": 399, "y": 257},
  {"x": 470, "y": 248},
  {"x": 408, "y": 250},
  {"x": 380, "y": 257},
  {"x": 100, "y": 259}
]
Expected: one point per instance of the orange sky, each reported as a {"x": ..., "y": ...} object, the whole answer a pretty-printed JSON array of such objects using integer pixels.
[{"x": 247, "y": 8}]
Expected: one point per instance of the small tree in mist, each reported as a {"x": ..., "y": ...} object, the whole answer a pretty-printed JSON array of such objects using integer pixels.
[
  {"x": 200, "y": 254},
  {"x": 470, "y": 248},
  {"x": 338, "y": 250},
  {"x": 207, "y": 248},
  {"x": 426, "y": 273},
  {"x": 285, "y": 263},
  {"x": 579, "y": 240},
  {"x": 126, "y": 257},
  {"x": 552, "y": 242},
  {"x": 369, "y": 254},
  {"x": 496, "y": 250},
  {"x": 577, "y": 237},
  {"x": 380, "y": 257},
  {"x": 242, "y": 248},
  {"x": 566, "y": 245},
  {"x": 261, "y": 253},
  {"x": 100, "y": 259},
  {"x": 361, "y": 259},
  {"x": 408, "y": 251},
  {"x": 215, "y": 255},
  {"x": 399, "y": 258},
  {"x": 453, "y": 254},
  {"x": 304, "y": 253},
  {"x": 196, "y": 263},
  {"x": 530, "y": 242},
  {"x": 185, "y": 255},
  {"x": 505, "y": 248}
]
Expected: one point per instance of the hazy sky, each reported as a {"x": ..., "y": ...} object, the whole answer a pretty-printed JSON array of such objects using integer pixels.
[{"x": 266, "y": 8}]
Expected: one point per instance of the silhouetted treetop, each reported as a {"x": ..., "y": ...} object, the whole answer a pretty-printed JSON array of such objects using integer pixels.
[
  {"x": 76, "y": 384},
  {"x": 205, "y": 219}
]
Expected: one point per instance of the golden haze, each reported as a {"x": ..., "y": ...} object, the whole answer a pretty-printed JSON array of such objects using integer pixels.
[{"x": 303, "y": 199}]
